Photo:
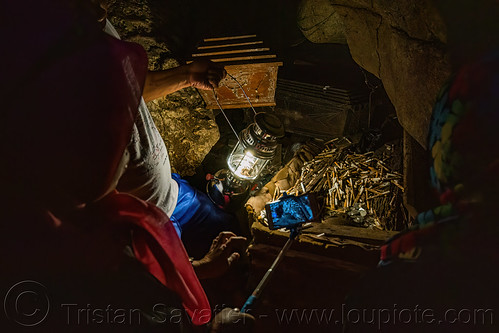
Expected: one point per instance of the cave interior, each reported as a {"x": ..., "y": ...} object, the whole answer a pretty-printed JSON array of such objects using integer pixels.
[{"x": 395, "y": 56}]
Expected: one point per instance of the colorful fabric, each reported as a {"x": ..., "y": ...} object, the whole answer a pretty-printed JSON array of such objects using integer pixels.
[
  {"x": 464, "y": 145},
  {"x": 463, "y": 137}
]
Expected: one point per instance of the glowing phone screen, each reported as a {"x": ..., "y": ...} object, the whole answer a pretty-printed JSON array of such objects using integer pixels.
[{"x": 290, "y": 211}]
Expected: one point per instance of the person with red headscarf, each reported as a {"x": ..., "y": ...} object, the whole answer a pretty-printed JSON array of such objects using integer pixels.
[{"x": 70, "y": 96}]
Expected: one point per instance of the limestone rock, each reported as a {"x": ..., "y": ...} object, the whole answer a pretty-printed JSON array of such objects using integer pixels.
[
  {"x": 320, "y": 23},
  {"x": 402, "y": 43},
  {"x": 188, "y": 129},
  {"x": 412, "y": 72}
]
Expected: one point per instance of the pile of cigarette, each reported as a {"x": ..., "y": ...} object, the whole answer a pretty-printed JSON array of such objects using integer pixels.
[{"x": 359, "y": 185}]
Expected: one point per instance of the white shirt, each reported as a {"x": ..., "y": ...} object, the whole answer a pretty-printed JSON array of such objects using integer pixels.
[{"x": 148, "y": 174}]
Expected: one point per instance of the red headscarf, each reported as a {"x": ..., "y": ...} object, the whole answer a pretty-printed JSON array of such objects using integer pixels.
[{"x": 70, "y": 95}]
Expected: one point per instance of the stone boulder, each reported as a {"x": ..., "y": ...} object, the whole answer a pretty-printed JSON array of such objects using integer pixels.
[
  {"x": 320, "y": 22},
  {"x": 404, "y": 44},
  {"x": 188, "y": 129}
]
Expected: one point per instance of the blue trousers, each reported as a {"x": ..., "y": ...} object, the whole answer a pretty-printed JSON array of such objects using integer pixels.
[{"x": 197, "y": 220}]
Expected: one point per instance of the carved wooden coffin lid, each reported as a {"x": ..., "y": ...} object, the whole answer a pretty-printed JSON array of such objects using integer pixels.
[{"x": 247, "y": 60}]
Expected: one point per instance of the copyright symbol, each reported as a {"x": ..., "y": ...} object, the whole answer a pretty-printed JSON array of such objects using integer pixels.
[{"x": 27, "y": 303}]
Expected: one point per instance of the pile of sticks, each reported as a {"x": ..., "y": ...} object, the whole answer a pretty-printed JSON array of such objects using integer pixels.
[{"x": 359, "y": 185}]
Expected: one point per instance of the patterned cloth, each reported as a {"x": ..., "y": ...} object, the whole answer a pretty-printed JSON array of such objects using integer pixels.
[{"x": 464, "y": 145}]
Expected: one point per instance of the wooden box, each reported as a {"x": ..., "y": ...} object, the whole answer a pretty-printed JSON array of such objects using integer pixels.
[
  {"x": 318, "y": 111},
  {"x": 246, "y": 60}
]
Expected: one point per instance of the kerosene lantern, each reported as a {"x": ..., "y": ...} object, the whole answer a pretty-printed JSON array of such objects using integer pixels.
[{"x": 256, "y": 146}]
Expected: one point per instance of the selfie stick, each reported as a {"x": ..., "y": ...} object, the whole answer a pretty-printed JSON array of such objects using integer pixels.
[{"x": 266, "y": 278}]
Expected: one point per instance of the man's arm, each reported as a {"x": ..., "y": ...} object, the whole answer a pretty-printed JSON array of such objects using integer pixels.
[{"x": 201, "y": 74}]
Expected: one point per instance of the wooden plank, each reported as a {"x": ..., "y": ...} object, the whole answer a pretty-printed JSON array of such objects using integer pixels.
[
  {"x": 234, "y": 59},
  {"x": 252, "y": 62},
  {"x": 205, "y": 47},
  {"x": 313, "y": 86},
  {"x": 260, "y": 65},
  {"x": 351, "y": 232},
  {"x": 268, "y": 56},
  {"x": 208, "y": 54},
  {"x": 293, "y": 256},
  {"x": 228, "y": 38},
  {"x": 341, "y": 231},
  {"x": 346, "y": 249},
  {"x": 212, "y": 105}
]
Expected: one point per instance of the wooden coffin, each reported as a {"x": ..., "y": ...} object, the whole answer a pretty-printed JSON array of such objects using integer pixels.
[{"x": 247, "y": 60}]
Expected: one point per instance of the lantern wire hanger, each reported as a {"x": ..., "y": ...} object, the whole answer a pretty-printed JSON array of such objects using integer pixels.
[
  {"x": 254, "y": 149},
  {"x": 220, "y": 106},
  {"x": 223, "y": 112},
  {"x": 244, "y": 92}
]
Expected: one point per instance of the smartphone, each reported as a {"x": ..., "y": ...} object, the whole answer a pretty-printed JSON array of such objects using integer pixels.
[{"x": 290, "y": 211}]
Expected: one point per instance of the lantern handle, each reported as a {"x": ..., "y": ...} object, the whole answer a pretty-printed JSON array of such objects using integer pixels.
[
  {"x": 226, "y": 118},
  {"x": 244, "y": 92},
  {"x": 223, "y": 112}
]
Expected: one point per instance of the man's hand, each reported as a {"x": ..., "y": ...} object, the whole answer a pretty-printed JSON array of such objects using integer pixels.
[
  {"x": 205, "y": 74},
  {"x": 231, "y": 320},
  {"x": 225, "y": 250}
]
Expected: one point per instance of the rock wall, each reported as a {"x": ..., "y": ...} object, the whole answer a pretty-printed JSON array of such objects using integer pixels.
[
  {"x": 401, "y": 42},
  {"x": 188, "y": 129},
  {"x": 320, "y": 22}
]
